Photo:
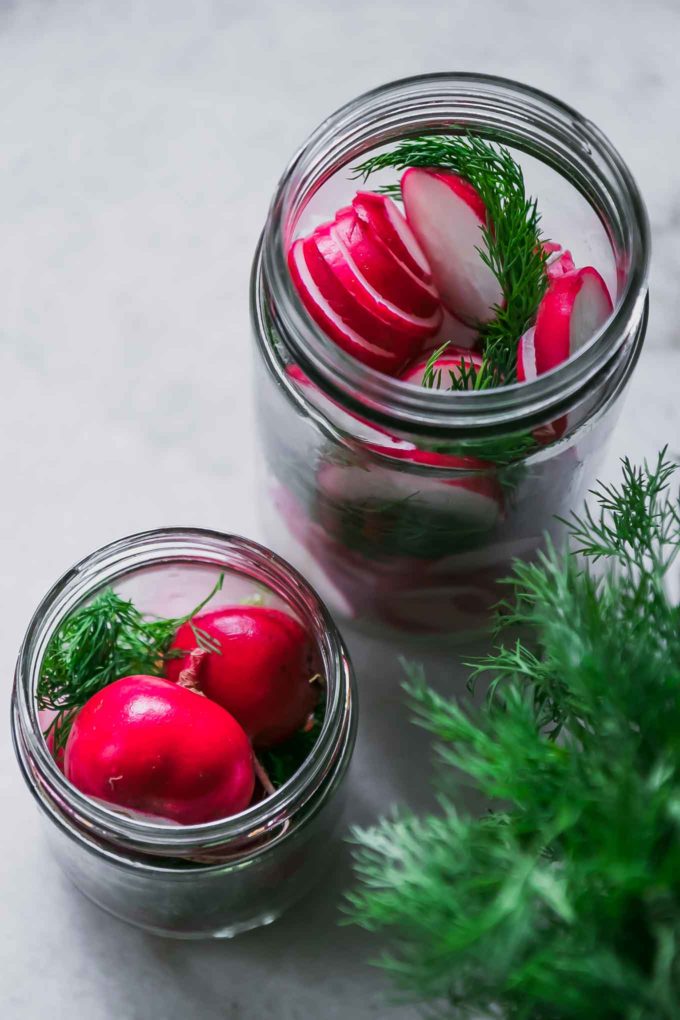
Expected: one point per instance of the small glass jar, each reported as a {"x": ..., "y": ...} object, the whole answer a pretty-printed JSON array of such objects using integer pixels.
[
  {"x": 405, "y": 505},
  {"x": 218, "y": 878}
]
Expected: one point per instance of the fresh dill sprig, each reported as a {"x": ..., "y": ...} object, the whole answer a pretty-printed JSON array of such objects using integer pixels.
[
  {"x": 563, "y": 901},
  {"x": 466, "y": 377},
  {"x": 100, "y": 642},
  {"x": 511, "y": 241}
]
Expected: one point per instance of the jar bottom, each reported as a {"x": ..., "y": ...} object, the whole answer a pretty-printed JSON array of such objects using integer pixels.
[
  {"x": 211, "y": 902},
  {"x": 200, "y": 935},
  {"x": 225, "y": 933}
]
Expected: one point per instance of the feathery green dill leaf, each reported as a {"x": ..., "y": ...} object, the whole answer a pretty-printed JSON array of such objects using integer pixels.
[
  {"x": 100, "y": 642},
  {"x": 562, "y": 902}
]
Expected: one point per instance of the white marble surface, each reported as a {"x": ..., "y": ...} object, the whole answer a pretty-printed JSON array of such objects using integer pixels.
[{"x": 139, "y": 144}]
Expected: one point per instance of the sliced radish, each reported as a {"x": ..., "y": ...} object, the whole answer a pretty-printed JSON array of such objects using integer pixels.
[
  {"x": 357, "y": 426},
  {"x": 575, "y": 306},
  {"x": 526, "y": 372},
  {"x": 473, "y": 501},
  {"x": 450, "y": 363},
  {"x": 493, "y": 559},
  {"x": 405, "y": 341},
  {"x": 378, "y": 272},
  {"x": 387, "y": 224},
  {"x": 389, "y": 318},
  {"x": 447, "y": 216},
  {"x": 526, "y": 357},
  {"x": 342, "y": 327}
]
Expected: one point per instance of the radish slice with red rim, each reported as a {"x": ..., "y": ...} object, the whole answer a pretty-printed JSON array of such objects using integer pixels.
[
  {"x": 447, "y": 215},
  {"x": 473, "y": 501},
  {"x": 341, "y": 328},
  {"x": 475, "y": 498},
  {"x": 526, "y": 372},
  {"x": 389, "y": 318},
  {"x": 407, "y": 340},
  {"x": 574, "y": 307},
  {"x": 386, "y": 222},
  {"x": 381, "y": 274}
]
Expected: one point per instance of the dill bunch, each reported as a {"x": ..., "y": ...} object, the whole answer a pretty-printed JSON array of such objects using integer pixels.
[
  {"x": 511, "y": 241},
  {"x": 100, "y": 642},
  {"x": 562, "y": 902}
]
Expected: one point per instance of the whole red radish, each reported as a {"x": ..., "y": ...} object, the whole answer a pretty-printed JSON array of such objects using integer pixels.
[
  {"x": 450, "y": 363},
  {"x": 447, "y": 215},
  {"x": 261, "y": 673},
  {"x": 152, "y": 746},
  {"x": 574, "y": 307}
]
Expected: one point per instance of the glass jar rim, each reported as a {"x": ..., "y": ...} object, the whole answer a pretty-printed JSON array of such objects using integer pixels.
[
  {"x": 169, "y": 545},
  {"x": 518, "y": 114}
]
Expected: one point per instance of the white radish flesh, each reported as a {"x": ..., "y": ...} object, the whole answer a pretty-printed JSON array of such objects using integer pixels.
[
  {"x": 447, "y": 216},
  {"x": 526, "y": 357},
  {"x": 592, "y": 307},
  {"x": 575, "y": 306}
]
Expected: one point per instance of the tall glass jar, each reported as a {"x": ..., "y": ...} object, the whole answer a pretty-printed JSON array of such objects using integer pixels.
[
  {"x": 404, "y": 505},
  {"x": 217, "y": 878}
]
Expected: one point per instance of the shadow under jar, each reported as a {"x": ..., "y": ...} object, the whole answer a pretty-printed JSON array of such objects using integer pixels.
[
  {"x": 217, "y": 878},
  {"x": 355, "y": 491}
]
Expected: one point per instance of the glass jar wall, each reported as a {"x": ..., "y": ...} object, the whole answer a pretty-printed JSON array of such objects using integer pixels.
[
  {"x": 404, "y": 505},
  {"x": 216, "y": 878}
]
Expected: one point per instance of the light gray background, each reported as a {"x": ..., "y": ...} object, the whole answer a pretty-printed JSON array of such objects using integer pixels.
[{"x": 139, "y": 145}]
